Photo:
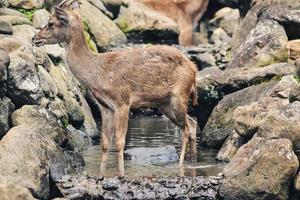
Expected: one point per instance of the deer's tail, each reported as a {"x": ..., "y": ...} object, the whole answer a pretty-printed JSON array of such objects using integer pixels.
[{"x": 194, "y": 93}]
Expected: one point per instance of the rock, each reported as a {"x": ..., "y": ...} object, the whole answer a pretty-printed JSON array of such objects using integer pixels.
[
  {"x": 42, "y": 121},
  {"x": 83, "y": 187},
  {"x": 99, "y": 4},
  {"x": 261, "y": 169},
  {"x": 78, "y": 140},
  {"x": 23, "y": 82},
  {"x": 48, "y": 85},
  {"x": 220, "y": 124},
  {"x": 6, "y": 108},
  {"x": 40, "y": 18},
  {"x": 14, "y": 19},
  {"x": 265, "y": 45},
  {"x": 104, "y": 31},
  {"x": 213, "y": 84},
  {"x": 10, "y": 11},
  {"x": 294, "y": 49},
  {"x": 27, "y": 5},
  {"x": 54, "y": 51},
  {"x": 30, "y": 159},
  {"x": 3, "y": 3},
  {"x": 227, "y": 19},
  {"x": 4, "y": 63},
  {"x": 137, "y": 20},
  {"x": 24, "y": 31},
  {"x": 5, "y": 27},
  {"x": 206, "y": 60},
  {"x": 14, "y": 192},
  {"x": 11, "y": 44},
  {"x": 220, "y": 36},
  {"x": 274, "y": 116},
  {"x": 154, "y": 156}
]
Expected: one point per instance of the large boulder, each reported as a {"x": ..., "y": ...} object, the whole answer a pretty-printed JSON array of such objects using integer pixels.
[
  {"x": 139, "y": 20},
  {"x": 213, "y": 84},
  {"x": 23, "y": 82},
  {"x": 14, "y": 192},
  {"x": 274, "y": 116},
  {"x": 40, "y": 18},
  {"x": 30, "y": 159},
  {"x": 104, "y": 31},
  {"x": 264, "y": 45},
  {"x": 220, "y": 123},
  {"x": 24, "y": 31},
  {"x": 6, "y": 108},
  {"x": 14, "y": 19},
  {"x": 40, "y": 120},
  {"x": 294, "y": 49},
  {"x": 5, "y": 27},
  {"x": 262, "y": 169}
]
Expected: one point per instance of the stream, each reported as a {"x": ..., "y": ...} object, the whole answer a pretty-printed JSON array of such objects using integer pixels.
[{"x": 151, "y": 132}]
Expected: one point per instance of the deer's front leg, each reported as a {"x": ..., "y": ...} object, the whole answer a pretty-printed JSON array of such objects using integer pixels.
[
  {"x": 107, "y": 134},
  {"x": 121, "y": 125}
]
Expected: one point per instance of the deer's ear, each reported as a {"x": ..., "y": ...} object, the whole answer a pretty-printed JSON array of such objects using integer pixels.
[{"x": 61, "y": 15}]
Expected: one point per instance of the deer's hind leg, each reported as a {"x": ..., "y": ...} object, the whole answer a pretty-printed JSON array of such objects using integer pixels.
[
  {"x": 106, "y": 136},
  {"x": 176, "y": 110}
]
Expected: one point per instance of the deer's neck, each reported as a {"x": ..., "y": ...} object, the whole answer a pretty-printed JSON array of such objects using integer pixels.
[{"x": 83, "y": 62}]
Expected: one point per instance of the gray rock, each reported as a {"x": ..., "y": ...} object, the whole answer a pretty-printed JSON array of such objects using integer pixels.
[
  {"x": 3, "y": 3},
  {"x": 42, "y": 121},
  {"x": 99, "y": 4},
  {"x": 137, "y": 18},
  {"x": 11, "y": 44},
  {"x": 47, "y": 83},
  {"x": 24, "y": 31},
  {"x": 30, "y": 159},
  {"x": 262, "y": 169},
  {"x": 213, "y": 84},
  {"x": 5, "y": 27},
  {"x": 206, "y": 60},
  {"x": 6, "y": 108},
  {"x": 14, "y": 192},
  {"x": 40, "y": 18},
  {"x": 220, "y": 36},
  {"x": 265, "y": 45},
  {"x": 54, "y": 51},
  {"x": 14, "y": 19},
  {"x": 78, "y": 140},
  {"x": 104, "y": 31},
  {"x": 220, "y": 124},
  {"x": 28, "y": 4},
  {"x": 23, "y": 82},
  {"x": 10, "y": 11},
  {"x": 4, "y": 63},
  {"x": 152, "y": 156}
]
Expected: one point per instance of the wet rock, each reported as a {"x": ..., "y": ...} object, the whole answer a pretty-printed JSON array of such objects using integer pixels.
[
  {"x": 78, "y": 140},
  {"x": 104, "y": 31},
  {"x": 14, "y": 192},
  {"x": 154, "y": 156},
  {"x": 4, "y": 63},
  {"x": 274, "y": 116},
  {"x": 6, "y": 108},
  {"x": 14, "y": 20},
  {"x": 137, "y": 20},
  {"x": 83, "y": 187},
  {"x": 23, "y": 82},
  {"x": 261, "y": 169},
  {"x": 28, "y": 4},
  {"x": 220, "y": 124},
  {"x": 42, "y": 121},
  {"x": 29, "y": 158},
  {"x": 265, "y": 45},
  {"x": 213, "y": 84},
  {"x": 5, "y": 28},
  {"x": 40, "y": 18},
  {"x": 294, "y": 49}
]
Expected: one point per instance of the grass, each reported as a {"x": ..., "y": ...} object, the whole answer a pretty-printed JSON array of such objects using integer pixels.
[{"x": 28, "y": 13}]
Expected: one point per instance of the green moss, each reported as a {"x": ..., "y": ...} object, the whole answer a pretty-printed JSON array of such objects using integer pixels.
[
  {"x": 28, "y": 13},
  {"x": 90, "y": 42},
  {"x": 65, "y": 121},
  {"x": 297, "y": 78},
  {"x": 122, "y": 23}
]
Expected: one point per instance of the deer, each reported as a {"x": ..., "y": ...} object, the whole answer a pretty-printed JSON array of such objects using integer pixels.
[
  {"x": 131, "y": 78},
  {"x": 186, "y": 13}
]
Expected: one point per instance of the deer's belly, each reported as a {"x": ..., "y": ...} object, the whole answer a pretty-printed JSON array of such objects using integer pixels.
[{"x": 146, "y": 100}]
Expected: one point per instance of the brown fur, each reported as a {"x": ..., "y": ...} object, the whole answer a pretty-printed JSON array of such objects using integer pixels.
[
  {"x": 186, "y": 13},
  {"x": 153, "y": 76}
]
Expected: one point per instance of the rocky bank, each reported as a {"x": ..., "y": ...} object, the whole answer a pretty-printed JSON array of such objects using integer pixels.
[{"x": 248, "y": 101}]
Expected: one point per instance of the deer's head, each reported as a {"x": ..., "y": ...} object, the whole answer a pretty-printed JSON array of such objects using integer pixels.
[{"x": 60, "y": 25}]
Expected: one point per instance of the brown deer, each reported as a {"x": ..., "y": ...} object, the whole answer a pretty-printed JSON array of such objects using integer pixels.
[
  {"x": 153, "y": 76},
  {"x": 186, "y": 13}
]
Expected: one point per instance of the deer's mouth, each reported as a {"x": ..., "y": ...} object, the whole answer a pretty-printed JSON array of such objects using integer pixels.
[{"x": 38, "y": 42}]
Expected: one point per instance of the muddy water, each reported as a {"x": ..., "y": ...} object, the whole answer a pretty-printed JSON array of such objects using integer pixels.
[{"x": 151, "y": 132}]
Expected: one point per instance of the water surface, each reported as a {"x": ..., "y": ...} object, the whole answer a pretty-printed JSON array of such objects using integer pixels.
[{"x": 151, "y": 132}]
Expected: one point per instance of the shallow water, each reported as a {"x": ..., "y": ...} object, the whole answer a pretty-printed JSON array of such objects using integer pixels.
[{"x": 151, "y": 132}]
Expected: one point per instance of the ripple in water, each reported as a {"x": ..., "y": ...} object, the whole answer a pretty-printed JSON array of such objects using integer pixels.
[{"x": 151, "y": 132}]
